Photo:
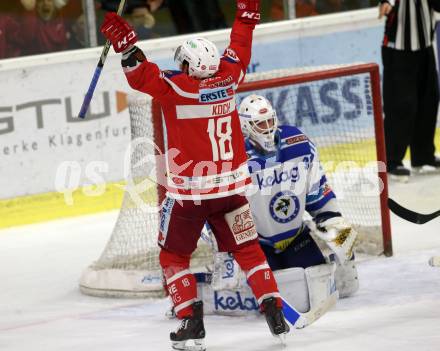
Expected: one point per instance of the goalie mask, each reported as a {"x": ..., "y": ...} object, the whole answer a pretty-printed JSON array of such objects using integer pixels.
[
  {"x": 259, "y": 121},
  {"x": 201, "y": 55}
]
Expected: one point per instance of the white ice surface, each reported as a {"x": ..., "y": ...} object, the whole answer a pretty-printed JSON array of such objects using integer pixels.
[{"x": 397, "y": 306}]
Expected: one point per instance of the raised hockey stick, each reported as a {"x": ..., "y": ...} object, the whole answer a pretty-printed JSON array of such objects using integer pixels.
[
  {"x": 411, "y": 216},
  {"x": 98, "y": 70},
  {"x": 301, "y": 320}
]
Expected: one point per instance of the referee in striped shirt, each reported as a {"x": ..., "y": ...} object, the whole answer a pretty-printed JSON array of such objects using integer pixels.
[{"x": 410, "y": 84}]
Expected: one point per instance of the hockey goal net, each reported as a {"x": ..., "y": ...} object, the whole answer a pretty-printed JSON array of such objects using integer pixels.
[{"x": 339, "y": 108}]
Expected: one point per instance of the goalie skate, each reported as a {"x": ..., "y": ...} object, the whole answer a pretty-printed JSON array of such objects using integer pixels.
[{"x": 190, "y": 336}]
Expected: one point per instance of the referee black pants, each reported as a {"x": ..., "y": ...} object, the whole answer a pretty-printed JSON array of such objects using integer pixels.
[{"x": 410, "y": 98}]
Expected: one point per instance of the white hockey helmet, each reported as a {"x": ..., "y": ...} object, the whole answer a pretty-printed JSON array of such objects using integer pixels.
[
  {"x": 259, "y": 121},
  {"x": 201, "y": 55}
]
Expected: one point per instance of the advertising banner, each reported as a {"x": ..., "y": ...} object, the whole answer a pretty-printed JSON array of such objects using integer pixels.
[{"x": 39, "y": 127}]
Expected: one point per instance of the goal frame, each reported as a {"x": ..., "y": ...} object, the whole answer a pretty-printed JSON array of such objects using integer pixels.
[{"x": 137, "y": 273}]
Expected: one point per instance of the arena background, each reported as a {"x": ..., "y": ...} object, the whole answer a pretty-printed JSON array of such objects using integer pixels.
[{"x": 40, "y": 97}]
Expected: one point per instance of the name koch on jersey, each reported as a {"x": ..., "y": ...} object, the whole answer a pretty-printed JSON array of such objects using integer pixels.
[{"x": 205, "y": 111}]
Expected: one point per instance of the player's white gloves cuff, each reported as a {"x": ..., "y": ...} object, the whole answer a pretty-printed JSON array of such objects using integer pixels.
[{"x": 339, "y": 236}]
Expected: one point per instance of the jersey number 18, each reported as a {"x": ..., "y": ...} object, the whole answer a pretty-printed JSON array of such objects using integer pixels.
[{"x": 220, "y": 133}]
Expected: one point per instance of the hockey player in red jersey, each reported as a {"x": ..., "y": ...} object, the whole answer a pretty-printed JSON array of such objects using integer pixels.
[{"x": 209, "y": 173}]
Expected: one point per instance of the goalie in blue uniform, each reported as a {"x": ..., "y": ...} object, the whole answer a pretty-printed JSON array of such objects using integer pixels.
[{"x": 289, "y": 184}]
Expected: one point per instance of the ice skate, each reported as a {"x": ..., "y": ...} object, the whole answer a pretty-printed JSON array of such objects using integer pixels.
[
  {"x": 275, "y": 319},
  {"x": 190, "y": 336}
]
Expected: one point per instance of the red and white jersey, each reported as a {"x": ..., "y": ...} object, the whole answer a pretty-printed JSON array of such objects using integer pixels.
[{"x": 206, "y": 155}]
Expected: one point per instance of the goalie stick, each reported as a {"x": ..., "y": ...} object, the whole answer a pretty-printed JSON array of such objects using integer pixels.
[
  {"x": 301, "y": 320},
  {"x": 98, "y": 70},
  {"x": 411, "y": 216}
]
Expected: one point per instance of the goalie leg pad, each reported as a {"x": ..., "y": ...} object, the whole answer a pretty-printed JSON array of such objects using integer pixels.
[
  {"x": 238, "y": 302},
  {"x": 296, "y": 287},
  {"x": 320, "y": 283},
  {"x": 293, "y": 287},
  {"x": 226, "y": 273},
  {"x": 306, "y": 288},
  {"x": 346, "y": 277}
]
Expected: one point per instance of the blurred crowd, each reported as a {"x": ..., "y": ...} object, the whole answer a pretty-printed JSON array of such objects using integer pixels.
[{"x": 29, "y": 27}]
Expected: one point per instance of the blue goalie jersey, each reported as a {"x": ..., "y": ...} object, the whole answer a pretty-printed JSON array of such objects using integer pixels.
[{"x": 285, "y": 184}]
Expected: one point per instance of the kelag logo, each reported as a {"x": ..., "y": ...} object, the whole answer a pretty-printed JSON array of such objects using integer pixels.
[
  {"x": 278, "y": 176},
  {"x": 234, "y": 301}
]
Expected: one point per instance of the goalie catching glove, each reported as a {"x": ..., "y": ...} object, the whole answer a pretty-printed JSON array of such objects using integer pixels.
[
  {"x": 118, "y": 32},
  {"x": 339, "y": 236}
]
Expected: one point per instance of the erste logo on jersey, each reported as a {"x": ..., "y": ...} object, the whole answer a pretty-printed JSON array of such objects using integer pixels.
[
  {"x": 216, "y": 94},
  {"x": 284, "y": 206}
]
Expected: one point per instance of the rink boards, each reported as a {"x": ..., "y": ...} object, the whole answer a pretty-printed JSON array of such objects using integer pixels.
[{"x": 47, "y": 149}]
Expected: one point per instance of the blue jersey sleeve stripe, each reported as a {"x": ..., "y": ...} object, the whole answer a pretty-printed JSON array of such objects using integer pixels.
[
  {"x": 313, "y": 198},
  {"x": 321, "y": 203},
  {"x": 312, "y": 147},
  {"x": 319, "y": 185},
  {"x": 294, "y": 151}
]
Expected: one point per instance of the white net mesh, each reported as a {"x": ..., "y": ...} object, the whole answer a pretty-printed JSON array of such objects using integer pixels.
[{"x": 335, "y": 113}]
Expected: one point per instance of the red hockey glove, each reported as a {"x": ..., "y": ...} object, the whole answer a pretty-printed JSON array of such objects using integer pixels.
[
  {"x": 119, "y": 32},
  {"x": 248, "y": 11}
]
